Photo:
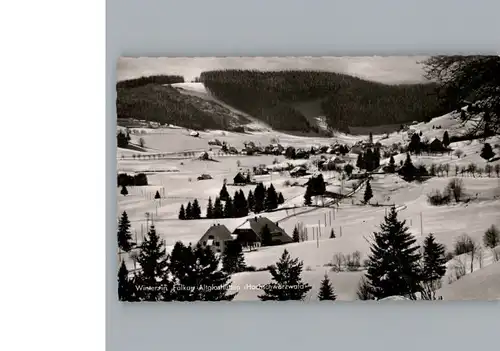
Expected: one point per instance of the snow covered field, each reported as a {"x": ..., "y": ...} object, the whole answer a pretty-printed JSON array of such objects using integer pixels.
[{"x": 174, "y": 169}]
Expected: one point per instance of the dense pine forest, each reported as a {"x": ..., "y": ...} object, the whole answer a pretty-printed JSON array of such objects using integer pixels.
[
  {"x": 345, "y": 100},
  {"x": 147, "y": 98}
]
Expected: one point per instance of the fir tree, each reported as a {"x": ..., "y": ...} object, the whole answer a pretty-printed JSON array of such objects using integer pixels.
[
  {"x": 326, "y": 290},
  {"x": 307, "y": 196},
  {"x": 348, "y": 168},
  {"x": 332, "y": 234},
  {"x": 233, "y": 260},
  {"x": 414, "y": 145},
  {"x": 182, "y": 213},
  {"x": 126, "y": 286},
  {"x": 368, "y": 192},
  {"x": 180, "y": 265},
  {"x": 259, "y": 198},
  {"x": 487, "y": 151},
  {"x": 281, "y": 199},
  {"x": 196, "y": 210},
  {"x": 251, "y": 201},
  {"x": 218, "y": 210},
  {"x": 265, "y": 236},
  {"x": 197, "y": 271},
  {"x": 189, "y": 211},
  {"x": 364, "y": 291},
  {"x": 408, "y": 170},
  {"x": 360, "y": 162},
  {"x": 228, "y": 208},
  {"x": 153, "y": 277},
  {"x": 370, "y": 160},
  {"x": 157, "y": 195},
  {"x": 124, "y": 191},
  {"x": 238, "y": 210},
  {"x": 434, "y": 261},
  {"x": 296, "y": 235},
  {"x": 370, "y": 138},
  {"x": 210, "y": 209},
  {"x": 223, "y": 194},
  {"x": 242, "y": 204},
  {"x": 392, "y": 162},
  {"x": 271, "y": 200},
  {"x": 491, "y": 237},
  {"x": 124, "y": 236},
  {"x": 446, "y": 139},
  {"x": 433, "y": 268},
  {"x": 393, "y": 265},
  {"x": 286, "y": 281}
]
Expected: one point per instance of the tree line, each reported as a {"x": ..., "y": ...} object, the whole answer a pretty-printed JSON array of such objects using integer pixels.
[
  {"x": 156, "y": 79},
  {"x": 417, "y": 274},
  {"x": 315, "y": 186},
  {"x": 192, "y": 273},
  {"x": 225, "y": 206},
  {"x": 345, "y": 100},
  {"x": 369, "y": 159},
  {"x": 165, "y": 104}
]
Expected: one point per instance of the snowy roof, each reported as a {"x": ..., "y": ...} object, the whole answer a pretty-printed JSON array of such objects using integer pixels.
[
  {"x": 245, "y": 225},
  {"x": 219, "y": 231}
]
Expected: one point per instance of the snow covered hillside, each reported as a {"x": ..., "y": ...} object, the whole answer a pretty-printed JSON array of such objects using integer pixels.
[{"x": 172, "y": 165}]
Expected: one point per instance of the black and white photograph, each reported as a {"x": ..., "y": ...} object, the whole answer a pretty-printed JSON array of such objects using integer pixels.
[{"x": 308, "y": 178}]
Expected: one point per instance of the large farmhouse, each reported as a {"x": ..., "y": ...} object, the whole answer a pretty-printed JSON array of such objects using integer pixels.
[
  {"x": 216, "y": 237},
  {"x": 249, "y": 233}
]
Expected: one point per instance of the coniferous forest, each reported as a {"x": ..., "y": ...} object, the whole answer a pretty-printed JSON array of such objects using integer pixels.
[
  {"x": 345, "y": 100},
  {"x": 271, "y": 97}
]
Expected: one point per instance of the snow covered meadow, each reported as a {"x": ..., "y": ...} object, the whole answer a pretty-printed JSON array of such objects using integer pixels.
[{"x": 172, "y": 166}]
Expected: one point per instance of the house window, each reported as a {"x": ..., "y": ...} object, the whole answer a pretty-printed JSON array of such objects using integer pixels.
[
  {"x": 217, "y": 243},
  {"x": 204, "y": 243},
  {"x": 210, "y": 237}
]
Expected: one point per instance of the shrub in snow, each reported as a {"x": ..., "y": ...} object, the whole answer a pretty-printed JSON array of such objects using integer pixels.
[
  {"x": 436, "y": 198},
  {"x": 491, "y": 237},
  {"x": 464, "y": 244}
]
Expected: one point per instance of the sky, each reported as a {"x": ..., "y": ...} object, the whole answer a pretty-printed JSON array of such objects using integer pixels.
[{"x": 389, "y": 69}]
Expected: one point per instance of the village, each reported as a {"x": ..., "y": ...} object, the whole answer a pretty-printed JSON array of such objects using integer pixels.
[{"x": 198, "y": 208}]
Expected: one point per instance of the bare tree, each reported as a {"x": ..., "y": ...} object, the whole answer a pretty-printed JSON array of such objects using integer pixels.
[
  {"x": 458, "y": 153},
  {"x": 457, "y": 169},
  {"x": 480, "y": 256},
  {"x": 457, "y": 270},
  {"x": 488, "y": 169},
  {"x": 142, "y": 142},
  {"x": 496, "y": 254},
  {"x": 446, "y": 168},
  {"x": 497, "y": 169},
  {"x": 473, "y": 253},
  {"x": 338, "y": 261},
  {"x": 479, "y": 171},
  {"x": 455, "y": 187},
  {"x": 472, "y": 169},
  {"x": 429, "y": 289}
]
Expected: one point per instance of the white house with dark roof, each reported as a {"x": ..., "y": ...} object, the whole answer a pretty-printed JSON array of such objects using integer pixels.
[{"x": 216, "y": 237}]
